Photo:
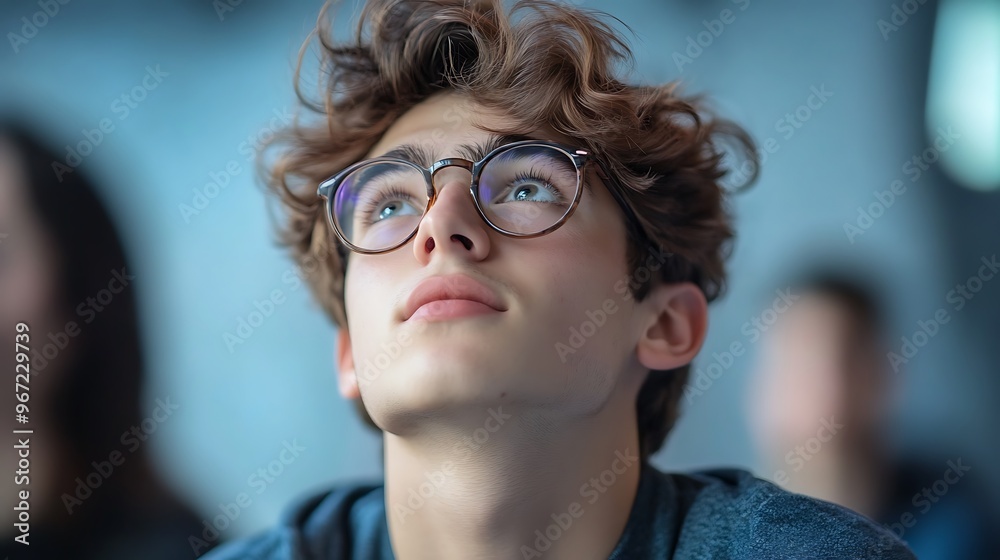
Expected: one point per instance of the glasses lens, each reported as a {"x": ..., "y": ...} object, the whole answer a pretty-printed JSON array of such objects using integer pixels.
[
  {"x": 379, "y": 205},
  {"x": 528, "y": 189}
]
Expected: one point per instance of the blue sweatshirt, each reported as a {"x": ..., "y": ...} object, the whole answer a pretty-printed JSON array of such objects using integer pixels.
[{"x": 717, "y": 514}]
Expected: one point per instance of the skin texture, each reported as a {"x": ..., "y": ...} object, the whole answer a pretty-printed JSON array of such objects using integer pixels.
[{"x": 563, "y": 421}]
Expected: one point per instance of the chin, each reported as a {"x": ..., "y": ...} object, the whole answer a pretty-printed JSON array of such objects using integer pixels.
[{"x": 407, "y": 415}]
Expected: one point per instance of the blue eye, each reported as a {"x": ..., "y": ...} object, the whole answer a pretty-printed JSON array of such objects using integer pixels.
[
  {"x": 532, "y": 187},
  {"x": 524, "y": 191},
  {"x": 388, "y": 203}
]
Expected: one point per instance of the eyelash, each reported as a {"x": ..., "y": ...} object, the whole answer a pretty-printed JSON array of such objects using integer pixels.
[
  {"x": 544, "y": 178},
  {"x": 396, "y": 193},
  {"x": 369, "y": 207}
]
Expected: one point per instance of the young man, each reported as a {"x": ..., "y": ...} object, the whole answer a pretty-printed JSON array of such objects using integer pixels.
[{"x": 518, "y": 250}]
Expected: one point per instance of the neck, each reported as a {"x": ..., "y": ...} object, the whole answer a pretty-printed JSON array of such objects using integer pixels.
[{"x": 518, "y": 484}]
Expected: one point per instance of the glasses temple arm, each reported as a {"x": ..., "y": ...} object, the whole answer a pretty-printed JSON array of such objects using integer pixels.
[{"x": 617, "y": 191}]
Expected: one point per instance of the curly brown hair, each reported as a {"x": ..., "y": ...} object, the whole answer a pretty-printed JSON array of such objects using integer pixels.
[{"x": 541, "y": 63}]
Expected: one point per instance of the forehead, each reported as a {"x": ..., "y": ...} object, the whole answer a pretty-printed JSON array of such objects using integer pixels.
[
  {"x": 451, "y": 125},
  {"x": 435, "y": 124},
  {"x": 448, "y": 125}
]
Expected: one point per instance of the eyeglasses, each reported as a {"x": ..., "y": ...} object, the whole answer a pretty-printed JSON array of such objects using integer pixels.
[{"x": 521, "y": 189}]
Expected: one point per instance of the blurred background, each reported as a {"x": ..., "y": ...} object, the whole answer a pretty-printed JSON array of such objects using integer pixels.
[{"x": 879, "y": 125}]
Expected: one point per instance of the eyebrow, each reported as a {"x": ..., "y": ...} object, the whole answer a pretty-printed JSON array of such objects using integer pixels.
[
  {"x": 475, "y": 151},
  {"x": 421, "y": 155}
]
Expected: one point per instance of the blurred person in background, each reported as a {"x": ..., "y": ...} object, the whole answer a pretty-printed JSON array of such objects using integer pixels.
[
  {"x": 61, "y": 257},
  {"x": 819, "y": 405}
]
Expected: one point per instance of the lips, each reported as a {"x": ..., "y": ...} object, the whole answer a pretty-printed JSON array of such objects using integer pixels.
[{"x": 451, "y": 287}]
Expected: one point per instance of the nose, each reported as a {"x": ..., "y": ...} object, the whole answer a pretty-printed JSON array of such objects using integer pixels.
[{"x": 452, "y": 224}]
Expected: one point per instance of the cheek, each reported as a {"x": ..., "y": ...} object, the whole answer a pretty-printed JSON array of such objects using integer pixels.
[
  {"x": 368, "y": 297},
  {"x": 588, "y": 317}
]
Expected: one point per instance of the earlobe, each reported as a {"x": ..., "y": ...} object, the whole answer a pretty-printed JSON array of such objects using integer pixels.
[
  {"x": 346, "y": 377},
  {"x": 677, "y": 324}
]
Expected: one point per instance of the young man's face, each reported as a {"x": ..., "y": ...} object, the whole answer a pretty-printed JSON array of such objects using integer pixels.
[{"x": 466, "y": 364}]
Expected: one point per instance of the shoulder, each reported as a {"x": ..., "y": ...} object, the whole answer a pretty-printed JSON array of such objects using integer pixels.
[
  {"x": 733, "y": 514},
  {"x": 343, "y": 522}
]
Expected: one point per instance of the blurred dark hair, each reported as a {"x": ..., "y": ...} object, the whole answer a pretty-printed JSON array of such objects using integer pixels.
[
  {"x": 98, "y": 393},
  {"x": 859, "y": 295}
]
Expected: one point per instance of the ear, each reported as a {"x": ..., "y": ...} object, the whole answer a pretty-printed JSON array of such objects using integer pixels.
[
  {"x": 677, "y": 321},
  {"x": 346, "y": 376}
]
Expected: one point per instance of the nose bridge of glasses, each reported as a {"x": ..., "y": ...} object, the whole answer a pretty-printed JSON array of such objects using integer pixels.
[{"x": 452, "y": 170}]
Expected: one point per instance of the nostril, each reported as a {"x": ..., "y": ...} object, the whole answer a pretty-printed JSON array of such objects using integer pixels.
[
  {"x": 466, "y": 242},
  {"x": 429, "y": 244}
]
